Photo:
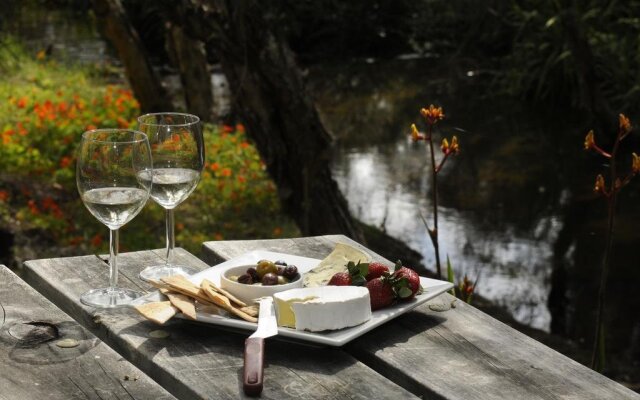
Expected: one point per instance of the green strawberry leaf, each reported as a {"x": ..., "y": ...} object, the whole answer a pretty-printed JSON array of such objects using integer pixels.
[
  {"x": 404, "y": 292},
  {"x": 358, "y": 280},
  {"x": 364, "y": 269}
]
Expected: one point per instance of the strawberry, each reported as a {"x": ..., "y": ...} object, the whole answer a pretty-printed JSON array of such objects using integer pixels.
[
  {"x": 376, "y": 270},
  {"x": 406, "y": 278},
  {"x": 340, "y": 279},
  {"x": 381, "y": 293}
]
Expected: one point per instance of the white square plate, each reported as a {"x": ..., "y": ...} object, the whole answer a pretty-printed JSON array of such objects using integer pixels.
[{"x": 432, "y": 288}]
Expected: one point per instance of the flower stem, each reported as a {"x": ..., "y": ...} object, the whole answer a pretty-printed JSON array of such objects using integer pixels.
[
  {"x": 434, "y": 174},
  {"x": 597, "y": 356}
]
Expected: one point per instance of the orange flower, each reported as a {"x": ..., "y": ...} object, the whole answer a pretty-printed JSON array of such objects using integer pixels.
[
  {"x": 241, "y": 179},
  {"x": 91, "y": 127},
  {"x": 239, "y": 127},
  {"x": 33, "y": 207},
  {"x": 432, "y": 114},
  {"x": 96, "y": 240},
  {"x": 455, "y": 148},
  {"x": 227, "y": 128},
  {"x": 244, "y": 145},
  {"x": 215, "y": 166},
  {"x": 4, "y": 195},
  {"x": 599, "y": 186},
  {"x": 415, "y": 135},
  {"x": 226, "y": 172},
  {"x": 22, "y": 103},
  {"x": 624, "y": 123},
  {"x": 21, "y": 129},
  {"x": 450, "y": 148},
  {"x": 122, "y": 123},
  {"x": 589, "y": 141},
  {"x": 635, "y": 163},
  {"x": 62, "y": 106},
  {"x": 65, "y": 162}
]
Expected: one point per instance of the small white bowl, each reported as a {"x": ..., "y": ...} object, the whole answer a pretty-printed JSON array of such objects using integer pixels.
[{"x": 248, "y": 293}]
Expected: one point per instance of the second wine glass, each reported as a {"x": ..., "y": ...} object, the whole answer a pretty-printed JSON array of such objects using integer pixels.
[{"x": 177, "y": 148}]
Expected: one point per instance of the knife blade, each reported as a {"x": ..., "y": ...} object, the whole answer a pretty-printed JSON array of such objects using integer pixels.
[{"x": 254, "y": 348}]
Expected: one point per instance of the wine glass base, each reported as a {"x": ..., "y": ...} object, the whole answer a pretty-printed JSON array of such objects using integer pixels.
[
  {"x": 109, "y": 297},
  {"x": 156, "y": 272}
]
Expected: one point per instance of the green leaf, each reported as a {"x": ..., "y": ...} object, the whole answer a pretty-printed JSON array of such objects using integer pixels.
[
  {"x": 364, "y": 269},
  {"x": 550, "y": 22},
  {"x": 358, "y": 280},
  {"x": 450, "y": 276}
]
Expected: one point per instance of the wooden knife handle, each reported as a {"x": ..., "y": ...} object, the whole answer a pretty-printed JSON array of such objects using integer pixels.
[{"x": 253, "y": 366}]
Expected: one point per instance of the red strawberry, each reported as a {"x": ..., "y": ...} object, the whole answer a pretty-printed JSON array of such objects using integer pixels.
[
  {"x": 412, "y": 279},
  {"x": 381, "y": 293},
  {"x": 340, "y": 279},
  {"x": 376, "y": 270}
]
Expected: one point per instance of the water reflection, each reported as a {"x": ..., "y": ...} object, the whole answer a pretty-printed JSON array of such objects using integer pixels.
[
  {"x": 386, "y": 187},
  {"x": 515, "y": 206}
]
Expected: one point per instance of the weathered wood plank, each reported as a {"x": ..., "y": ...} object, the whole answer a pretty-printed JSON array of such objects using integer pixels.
[
  {"x": 458, "y": 354},
  {"x": 197, "y": 360},
  {"x": 33, "y": 366}
]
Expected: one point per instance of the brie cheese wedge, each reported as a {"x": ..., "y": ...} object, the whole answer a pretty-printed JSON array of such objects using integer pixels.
[
  {"x": 323, "y": 308},
  {"x": 333, "y": 263}
]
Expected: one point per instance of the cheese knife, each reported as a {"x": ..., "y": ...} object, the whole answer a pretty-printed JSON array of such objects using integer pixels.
[{"x": 254, "y": 348}]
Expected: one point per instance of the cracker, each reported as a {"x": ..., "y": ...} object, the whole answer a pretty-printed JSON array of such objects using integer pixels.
[
  {"x": 251, "y": 310},
  {"x": 158, "y": 312},
  {"x": 223, "y": 302},
  {"x": 183, "y": 303},
  {"x": 223, "y": 292},
  {"x": 180, "y": 284}
]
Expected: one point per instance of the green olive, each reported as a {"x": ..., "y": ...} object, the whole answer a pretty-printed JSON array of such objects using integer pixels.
[
  {"x": 282, "y": 280},
  {"x": 264, "y": 267}
]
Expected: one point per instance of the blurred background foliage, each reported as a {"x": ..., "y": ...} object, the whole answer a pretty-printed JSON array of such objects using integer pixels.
[{"x": 45, "y": 109}]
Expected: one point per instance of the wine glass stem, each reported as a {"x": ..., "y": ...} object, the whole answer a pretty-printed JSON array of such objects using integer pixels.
[
  {"x": 113, "y": 258},
  {"x": 171, "y": 239}
]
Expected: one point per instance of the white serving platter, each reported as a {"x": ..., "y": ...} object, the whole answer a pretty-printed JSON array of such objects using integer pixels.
[{"x": 432, "y": 288}]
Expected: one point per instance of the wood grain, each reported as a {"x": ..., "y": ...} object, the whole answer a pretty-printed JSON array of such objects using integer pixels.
[
  {"x": 197, "y": 360},
  {"x": 458, "y": 354},
  {"x": 33, "y": 366}
]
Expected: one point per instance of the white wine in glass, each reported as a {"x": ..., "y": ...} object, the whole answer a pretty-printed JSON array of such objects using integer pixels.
[
  {"x": 110, "y": 162},
  {"x": 177, "y": 149}
]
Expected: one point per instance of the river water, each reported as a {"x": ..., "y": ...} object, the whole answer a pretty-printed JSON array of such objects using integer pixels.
[{"x": 516, "y": 209}]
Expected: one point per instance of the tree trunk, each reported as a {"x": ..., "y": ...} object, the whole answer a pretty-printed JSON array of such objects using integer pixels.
[
  {"x": 270, "y": 98},
  {"x": 116, "y": 27},
  {"x": 188, "y": 55}
]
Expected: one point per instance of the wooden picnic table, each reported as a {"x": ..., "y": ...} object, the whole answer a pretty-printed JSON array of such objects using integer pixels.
[
  {"x": 461, "y": 353},
  {"x": 33, "y": 365}
]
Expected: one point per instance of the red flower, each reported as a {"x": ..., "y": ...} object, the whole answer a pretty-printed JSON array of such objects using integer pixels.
[
  {"x": 22, "y": 103},
  {"x": 96, "y": 240},
  {"x": 65, "y": 162}
]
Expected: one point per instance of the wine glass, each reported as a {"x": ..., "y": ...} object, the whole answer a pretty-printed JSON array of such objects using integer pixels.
[
  {"x": 110, "y": 162},
  {"x": 177, "y": 148}
]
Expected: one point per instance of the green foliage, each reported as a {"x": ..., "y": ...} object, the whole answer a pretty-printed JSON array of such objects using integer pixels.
[
  {"x": 547, "y": 58},
  {"x": 45, "y": 108}
]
